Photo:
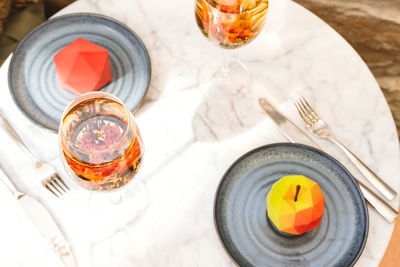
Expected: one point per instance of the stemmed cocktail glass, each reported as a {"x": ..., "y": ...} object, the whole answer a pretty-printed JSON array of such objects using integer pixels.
[
  {"x": 102, "y": 150},
  {"x": 229, "y": 24}
]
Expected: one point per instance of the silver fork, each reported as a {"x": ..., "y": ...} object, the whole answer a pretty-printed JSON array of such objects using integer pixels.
[
  {"x": 320, "y": 128},
  {"x": 46, "y": 172}
]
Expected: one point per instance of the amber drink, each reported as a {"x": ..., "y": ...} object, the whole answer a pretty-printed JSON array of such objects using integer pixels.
[
  {"x": 231, "y": 23},
  {"x": 100, "y": 141}
]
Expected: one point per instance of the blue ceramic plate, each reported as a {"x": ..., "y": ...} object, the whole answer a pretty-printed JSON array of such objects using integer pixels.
[
  {"x": 32, "y": 77},
  {"x": 240, "y": 210}
]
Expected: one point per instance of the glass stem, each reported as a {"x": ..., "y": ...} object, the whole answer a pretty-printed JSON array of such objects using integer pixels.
[
  {"x": 225, "y": 69},
  {"x": 116, "y": 199}
]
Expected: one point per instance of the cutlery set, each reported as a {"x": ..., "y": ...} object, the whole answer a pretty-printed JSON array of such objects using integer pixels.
[
  {"x": 37, "y": 213},
  {"x": 319, "y": 128}
]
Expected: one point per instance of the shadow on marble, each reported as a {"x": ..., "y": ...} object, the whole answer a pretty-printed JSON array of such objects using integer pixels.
[{"x": 224, "y": 117}]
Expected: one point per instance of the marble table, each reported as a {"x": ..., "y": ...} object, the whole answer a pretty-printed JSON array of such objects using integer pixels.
[{"x": 188, "y": 147}]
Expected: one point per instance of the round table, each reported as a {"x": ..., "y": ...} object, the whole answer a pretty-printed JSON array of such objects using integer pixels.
[{"x": 188, "y": 148}]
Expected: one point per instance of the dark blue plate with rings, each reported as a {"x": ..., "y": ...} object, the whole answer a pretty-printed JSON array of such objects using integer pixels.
[
  {"x": 240, "y": 211},
  {"x": 32, "y": 77}
]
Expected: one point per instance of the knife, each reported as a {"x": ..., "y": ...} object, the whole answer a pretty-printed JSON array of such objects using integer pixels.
[
  {"x": 42, "y": 219},
  {"x": 287, "y": 128},
  {"x": 296, "y": 135}
]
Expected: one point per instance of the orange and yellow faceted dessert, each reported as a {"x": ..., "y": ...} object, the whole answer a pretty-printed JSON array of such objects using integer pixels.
[{"x": 295, "y": 204}]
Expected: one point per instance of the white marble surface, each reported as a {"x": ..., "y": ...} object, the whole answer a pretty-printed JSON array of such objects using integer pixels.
[{"x": 188, "y": 148}]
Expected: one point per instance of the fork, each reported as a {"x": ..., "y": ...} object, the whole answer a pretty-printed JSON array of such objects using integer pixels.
[
  {"x": 320, "y": 128},
  {"x": 46, "y": 172}
]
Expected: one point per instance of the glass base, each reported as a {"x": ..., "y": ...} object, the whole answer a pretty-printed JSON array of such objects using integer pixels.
[
  {"x": 226, "y": 87},
  {"x": 219, "y": 80},
  {"x": 111, "y": 212}
]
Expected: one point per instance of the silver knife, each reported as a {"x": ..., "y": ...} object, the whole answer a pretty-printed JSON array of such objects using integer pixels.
[
  {"x": 287, "y": 128},
  {"x": 296, "y": 135},
  {"x": 42, "y": 219}
]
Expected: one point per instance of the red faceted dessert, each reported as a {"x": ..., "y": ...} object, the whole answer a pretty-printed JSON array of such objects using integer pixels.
[{"x": 82, "y": 67}]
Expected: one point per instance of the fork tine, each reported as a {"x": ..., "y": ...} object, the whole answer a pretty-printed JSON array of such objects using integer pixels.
[
  {"x": 308, "y": 105},
  {"x": 312, "y": 114},
  {"x": 300, "y": 108},
  {"x": 48, "y": 188},
  {"x": 61, "y": 181},
  {"x": 51, "y": 184},
  {"x": 304, "y": 107},
  {"x": 301, "y": 112},
  {"x": 309, "y": 112},
  {"x": 57, "y": 185},
  {"x": 305, "y": 112}
]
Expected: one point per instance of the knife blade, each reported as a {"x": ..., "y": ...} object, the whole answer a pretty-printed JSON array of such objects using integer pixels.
[
  {"x": 293, "y": 133},
  {"x": 42, "y": 220}
]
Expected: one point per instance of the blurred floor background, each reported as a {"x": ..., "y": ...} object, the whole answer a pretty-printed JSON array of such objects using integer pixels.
[{"x": 18, "y": 17}]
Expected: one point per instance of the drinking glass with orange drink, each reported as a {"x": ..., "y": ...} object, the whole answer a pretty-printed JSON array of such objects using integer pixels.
[
  {"x": 230, "y": 24},
  {"x": 102, "y": 150}
]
